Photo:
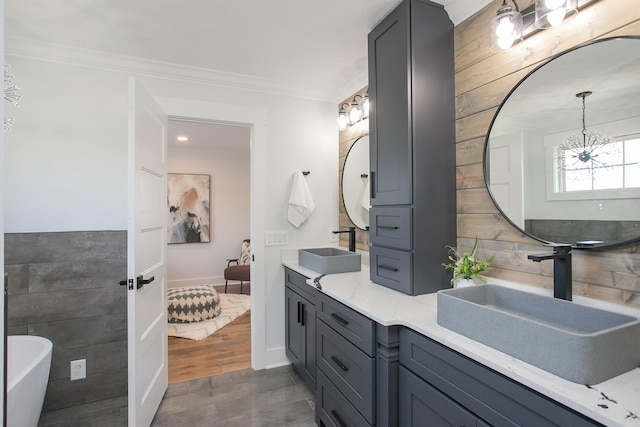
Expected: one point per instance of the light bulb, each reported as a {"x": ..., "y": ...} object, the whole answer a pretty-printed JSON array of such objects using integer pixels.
[
  {"x": 505, "y": 42},
  {"x": 355, "y": 114},
  {"x": 553, "y": 4},
  {"x": 505, "y": 31},
  {"x": 505, "y": 28},
  {"x": 365, "y": 107},
  {"x": 556, "y": 17},
  {"x": 342, "y": 121}
]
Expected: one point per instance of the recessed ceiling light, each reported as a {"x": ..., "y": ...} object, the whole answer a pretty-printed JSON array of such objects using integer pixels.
[{"x": 182, "y": 138}]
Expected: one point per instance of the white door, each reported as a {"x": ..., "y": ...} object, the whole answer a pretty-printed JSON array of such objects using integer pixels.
[
  {"x": 506, "y": 175},
  {"x": 146, "y": 244}
]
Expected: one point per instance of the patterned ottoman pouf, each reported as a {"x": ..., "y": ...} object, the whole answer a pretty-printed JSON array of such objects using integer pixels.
[{"x": 192, "y": 304}]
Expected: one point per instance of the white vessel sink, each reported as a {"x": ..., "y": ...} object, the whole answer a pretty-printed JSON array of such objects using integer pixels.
[
  {"x": 329, "y": 260},
  {"x": 581, "y": 344}
]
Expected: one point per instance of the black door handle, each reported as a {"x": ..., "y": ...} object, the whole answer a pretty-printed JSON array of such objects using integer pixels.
[
  {"x": 126, "y": 282},
  {"x": 140, "y": 281}
]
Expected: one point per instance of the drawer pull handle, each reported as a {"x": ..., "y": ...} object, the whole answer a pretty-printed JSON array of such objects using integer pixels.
[
  {"x": 372, "y": 180},
  {"x": 389, "y": 227},
  {"x": 339, "y": 319},
  {"x": 339, "y": 363},
  {"x": 386, "y": 267},
  {"x": 299, "y": 311},
  {"x": 336, "y": 417}
]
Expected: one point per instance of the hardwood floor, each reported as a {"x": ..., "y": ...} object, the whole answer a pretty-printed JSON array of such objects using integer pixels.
[{"x": 227, "y": 350}]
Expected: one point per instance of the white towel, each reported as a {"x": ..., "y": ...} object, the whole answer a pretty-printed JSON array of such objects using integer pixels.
[
  {"x": 365, "y": 201},
  {"x": 301, "y": 203}
]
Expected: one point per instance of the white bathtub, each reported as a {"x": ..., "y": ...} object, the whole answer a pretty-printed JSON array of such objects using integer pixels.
[{"x": 28, "y": 363}]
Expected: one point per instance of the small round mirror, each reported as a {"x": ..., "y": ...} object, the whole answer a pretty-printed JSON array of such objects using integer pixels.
[{"x": 355, "y": 183}]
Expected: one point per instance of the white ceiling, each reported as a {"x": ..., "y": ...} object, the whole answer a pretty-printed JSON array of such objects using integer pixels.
[
  {"x": 207, "y": 135},
  {"x": 317, "y": 49},
  {"x": 311, "y": 49}
]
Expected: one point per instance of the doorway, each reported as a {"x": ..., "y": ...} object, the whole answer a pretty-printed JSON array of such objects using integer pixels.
[{"x": 221, "y": 151}]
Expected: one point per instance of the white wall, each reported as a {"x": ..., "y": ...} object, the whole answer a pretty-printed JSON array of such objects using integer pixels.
[
  {"x": 66, "y": 154},
  {"x": 204, "y": 263},
  {"x": 66, "y": 162}
]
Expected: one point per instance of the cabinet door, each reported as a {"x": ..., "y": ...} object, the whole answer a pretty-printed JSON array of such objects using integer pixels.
[
  {"x": 300, "y": 336},
  {"x": 423, "y": 405},
  {"x": 308, "y": 324},
  {"x": 389, "y": 118},
  {"x": 293, "y": 332}
]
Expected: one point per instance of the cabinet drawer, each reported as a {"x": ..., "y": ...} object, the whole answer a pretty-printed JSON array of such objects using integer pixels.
[
  {"x": 491, "y": 396},
  {"x": 421, "y": 404},
  {"x": 391, "y": 268},
  {"x": 348, "y": 368},
  {"x": 391, "y": 227},
  {"x": 334, "y": 409},
  {"x": 299, "y": 283},
  {"x": 358, "y": 329}
]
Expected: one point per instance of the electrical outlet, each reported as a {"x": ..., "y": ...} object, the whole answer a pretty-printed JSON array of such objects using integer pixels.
[{"x": 78, "y": 369}]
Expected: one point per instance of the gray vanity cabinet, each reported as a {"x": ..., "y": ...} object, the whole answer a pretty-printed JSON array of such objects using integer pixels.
[
  {"x": 421, "y": 404},
  {"x": 439, "y": 386},
  {"x": 300, "y": 330},
  {"x": 412, "y": 147},
  {"x": 346, "y": 365}
]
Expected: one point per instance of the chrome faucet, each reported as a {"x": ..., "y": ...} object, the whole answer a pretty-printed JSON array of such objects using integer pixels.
[
  {"x": 352, "y": 237},
  {"x": 562, "y": 279}
]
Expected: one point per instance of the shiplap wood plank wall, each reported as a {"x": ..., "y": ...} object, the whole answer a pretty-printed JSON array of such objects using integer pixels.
[{"x": 483, "y": 80}]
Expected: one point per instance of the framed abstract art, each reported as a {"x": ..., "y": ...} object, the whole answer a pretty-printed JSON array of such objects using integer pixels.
[{"x": 188, "y": 199}]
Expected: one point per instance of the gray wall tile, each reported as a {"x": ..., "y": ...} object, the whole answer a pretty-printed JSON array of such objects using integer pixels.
[
  {"x": 64, "y": 286},
  {"x": 62, "y": 276},
  {"x": 101, "y": 357},
  {"x": 110, "y": 412},
  {"x": 101, "y": 386},
  {"x": 18, "y": 278},
  {"x": 23, "y": 248},
  {"x": 83, "y": 332},
  {"x": 54, "y": 306}
]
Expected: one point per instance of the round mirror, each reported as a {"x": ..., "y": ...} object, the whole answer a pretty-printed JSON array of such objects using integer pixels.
[
  {"x": 355, "y": 183},
  {"x": 562, "y": 156}
]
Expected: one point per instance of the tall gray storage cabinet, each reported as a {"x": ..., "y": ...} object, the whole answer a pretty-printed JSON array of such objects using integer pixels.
[{"x": 412, "y": 148}]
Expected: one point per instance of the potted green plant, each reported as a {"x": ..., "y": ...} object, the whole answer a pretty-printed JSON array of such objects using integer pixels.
[{"x": 466, "y": 267}]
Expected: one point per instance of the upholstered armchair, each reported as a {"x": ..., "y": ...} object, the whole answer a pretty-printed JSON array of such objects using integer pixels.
[{"x": 239, "y": 268}]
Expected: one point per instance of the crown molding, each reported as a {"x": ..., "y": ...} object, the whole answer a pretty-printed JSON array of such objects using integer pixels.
[{"x": 68, "y": 55}]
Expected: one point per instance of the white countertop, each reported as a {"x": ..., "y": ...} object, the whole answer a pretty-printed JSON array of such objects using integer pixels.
[{"x": 615, "y": 402}]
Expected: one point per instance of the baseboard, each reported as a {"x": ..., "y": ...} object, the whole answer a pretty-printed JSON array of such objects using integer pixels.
[
  {"x": 276, "y": 357},
  {"x": 179, "y": 283}
]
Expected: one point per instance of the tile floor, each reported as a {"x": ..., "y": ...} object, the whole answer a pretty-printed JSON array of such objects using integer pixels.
[{"x": 267, "y": 398}]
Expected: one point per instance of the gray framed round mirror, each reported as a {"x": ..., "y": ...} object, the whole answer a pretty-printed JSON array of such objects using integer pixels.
[
  {"x": 355, "y": 183},
  {"x": 563, "y": 166}
]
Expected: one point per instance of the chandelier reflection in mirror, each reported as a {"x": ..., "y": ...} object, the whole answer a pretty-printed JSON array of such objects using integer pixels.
[
  {"x": 595, "y": 161},
  {"x": 10, "y": 95}
]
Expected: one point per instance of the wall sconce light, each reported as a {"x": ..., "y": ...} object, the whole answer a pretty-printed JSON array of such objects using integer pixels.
[
  {"x": 506, "y": 28},
  {"x": 552, "y": 13},
  {"x": 503, "y": 32},
  {"x": 357, "y": 111}
]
